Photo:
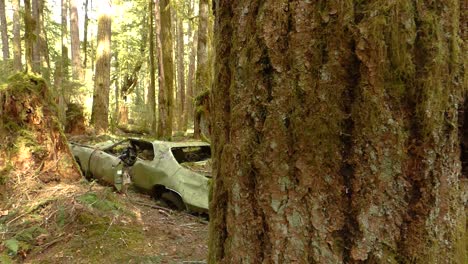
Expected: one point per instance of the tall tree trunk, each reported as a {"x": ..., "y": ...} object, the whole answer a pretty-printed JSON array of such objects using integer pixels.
[
  {"x": 336, "y": 137},
  {"x": 166, "y": 92},
  {"x": 99, "y": 115},
  {"x": 28, "y": 36},
  {"x": 85, "y": 35},
  {"x": 191, "y": 70},
  {"x": 203, "y": 81},
  {"x": 44, "y": 46},
  {"x": 36, "y": 28},
  {"x": 180, "y": 73},
  {"x": 17, "y": 65},
  {"x": 64, "y": 38},
  {"x": 152, "y": 86},
  {"x": 77, "y": 69},
  {"x": 4, "y": 29}
]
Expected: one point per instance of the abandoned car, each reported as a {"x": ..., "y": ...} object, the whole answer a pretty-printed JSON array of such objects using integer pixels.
[{"x": 178, "y": 173}]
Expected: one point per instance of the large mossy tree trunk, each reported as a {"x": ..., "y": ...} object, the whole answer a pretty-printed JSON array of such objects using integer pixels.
[
  {"x": 100, "y": 111},
  {"x": 335, "y": 136},
  {"x": 34, "y": 149}
]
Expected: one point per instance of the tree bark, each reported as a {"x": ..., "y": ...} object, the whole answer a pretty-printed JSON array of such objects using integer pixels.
[
  {"x": 152, "y": 86},
  {"x": 166, "y": 92},
  {"x": 100, "y": 110},
  {"x": 17, "y": 65},
  {"x": 203, "y": 81},
  {"x": 336, "y": 137},
  {"x": 180, "y": 72},
  {"x": 77, "y": 68},
  {"x": 4, "y": 30}
]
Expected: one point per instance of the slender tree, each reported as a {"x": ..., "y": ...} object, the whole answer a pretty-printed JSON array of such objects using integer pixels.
[
  {"x": 28, "y": 35},
  {"x": 36, "y": 28},
  {"x": 180, "y": 71},
  {"x": 336, "y": 137},
  {"x": 166, "y": 92},
  {"x": 4, "y": 30},
  {"x": 203, "y": 81},
  {"x": 77, "y": 69},
  {"x": 152, "y": 86},
  {"x": 44, "y": 45},
  {"x": 85, "y": 35},
  {"x": 100, "y": 110},
  {"x": 191, "y": 68},
  {"x": 17, "y": 65}
]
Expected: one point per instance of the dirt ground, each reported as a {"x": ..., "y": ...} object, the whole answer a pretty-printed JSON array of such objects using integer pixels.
[{"x": 100, "y": 226}]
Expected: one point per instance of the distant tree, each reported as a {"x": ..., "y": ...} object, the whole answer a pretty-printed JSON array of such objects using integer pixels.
[
  {"x": 77, "y": 69},
  {"x": 336, "y": 136},
  {"x": 189, "y": 109},
  {"x": 42, "y": 42},
  {"x": 166, "y": 92},
  {"x": 36, "y": 28},
  {"x": 203, "y": 73},
  {"x": 152, "y": 72},
  {"x": 85, "y": 35},
  {"x": 100, "y": 110},
  {"x": 180, "y": 70},
  {"x": 17, "y": 65},
  {"x": 4, "y": 31},
  {"x": 29, "y": 25}
]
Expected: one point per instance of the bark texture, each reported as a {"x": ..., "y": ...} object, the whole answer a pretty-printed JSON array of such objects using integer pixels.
[
  {"x": 4, "y": 31},
  {"x": 100, "y": 111},
  {"x": 166, "y": 93},
  {"x": 335, "y": 136},
  {"x": 17, "y": 65}
]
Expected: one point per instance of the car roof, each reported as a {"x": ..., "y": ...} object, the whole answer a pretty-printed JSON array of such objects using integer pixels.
[{"x": 181, "y": 143}]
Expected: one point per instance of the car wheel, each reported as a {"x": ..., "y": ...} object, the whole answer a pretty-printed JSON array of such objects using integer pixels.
[{"x": 173, "y": 201}]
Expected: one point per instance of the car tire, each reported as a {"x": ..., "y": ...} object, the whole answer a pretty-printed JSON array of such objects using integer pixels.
[{"x": 173, "y": 201}]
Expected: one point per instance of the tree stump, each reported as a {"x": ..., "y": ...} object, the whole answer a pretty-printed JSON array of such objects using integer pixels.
[{"x": 33, "y": 146}]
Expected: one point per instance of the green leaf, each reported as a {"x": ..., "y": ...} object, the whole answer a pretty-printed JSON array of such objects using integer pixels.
[{"x": 12, "y": 245}]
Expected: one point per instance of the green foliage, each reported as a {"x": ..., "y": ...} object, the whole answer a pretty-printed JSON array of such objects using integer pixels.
[
  {"x": 12, "y": 245},
  {"x": 104, "y": 203},
  {"x": 6, "y": 70}
]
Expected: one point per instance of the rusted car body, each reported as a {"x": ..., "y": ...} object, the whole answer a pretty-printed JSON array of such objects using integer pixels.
[{"x": 177, "y": 172}]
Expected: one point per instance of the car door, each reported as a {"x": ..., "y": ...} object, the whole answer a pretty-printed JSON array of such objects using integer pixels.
[{"x": 104, "y": 166}]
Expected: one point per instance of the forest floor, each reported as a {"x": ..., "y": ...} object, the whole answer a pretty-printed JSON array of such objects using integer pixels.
[
  {"x": 86, "y": 222},
  {"x": 93, "y": 224}
]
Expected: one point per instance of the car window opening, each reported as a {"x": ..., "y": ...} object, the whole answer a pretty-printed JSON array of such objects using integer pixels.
[
  {"x": 191, "y": 154},
  {"x": 144, "y": 149}
]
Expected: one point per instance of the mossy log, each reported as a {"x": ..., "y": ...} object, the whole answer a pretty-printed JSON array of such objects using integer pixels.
[{"x": 33, "y": 144}]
